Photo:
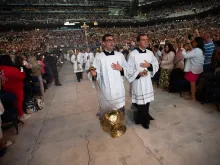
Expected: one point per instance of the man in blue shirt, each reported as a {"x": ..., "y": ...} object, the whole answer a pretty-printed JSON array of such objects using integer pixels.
[{"x": 209, "y": 49}]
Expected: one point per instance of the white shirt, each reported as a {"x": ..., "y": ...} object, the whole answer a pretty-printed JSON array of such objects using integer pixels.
[{"x": 194, "y": 61}]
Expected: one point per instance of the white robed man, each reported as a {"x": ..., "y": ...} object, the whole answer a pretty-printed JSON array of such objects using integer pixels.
[
  {"x": 109, "y": 72},
  {"x": 145, "y": 65},
  {"x": 89, "y": 58},
  {"x": 77, "y": 60}
]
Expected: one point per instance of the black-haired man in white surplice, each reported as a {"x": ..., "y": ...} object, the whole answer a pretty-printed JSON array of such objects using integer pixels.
[
  {"x": 109, "y": 72},
  {"x": 143, "y": 61}
]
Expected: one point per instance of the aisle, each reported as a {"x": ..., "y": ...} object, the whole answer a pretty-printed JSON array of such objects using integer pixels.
[{"x": 67, "y": 132}]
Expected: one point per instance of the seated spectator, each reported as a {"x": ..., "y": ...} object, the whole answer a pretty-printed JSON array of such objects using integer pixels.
[
  {"x": 27, "y": 80},
  {"x": 36, "y": 76},
  {"x": 3, "y": 144},
  {"x": 13, "y": 82}
]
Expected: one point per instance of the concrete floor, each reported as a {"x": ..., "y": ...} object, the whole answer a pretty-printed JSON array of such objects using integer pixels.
[{"x": 67, "y": 132}]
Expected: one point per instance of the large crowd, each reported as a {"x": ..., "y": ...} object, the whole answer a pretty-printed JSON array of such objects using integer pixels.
[
  {"x": 52, "y": 2},
  {"x": 183, "y": 8},
  {"x": 51, "y": 8},
  {"x": 29, "y": 59},
  {"x": 85, "y": 14},
  {"x": 47, "y": 39}
]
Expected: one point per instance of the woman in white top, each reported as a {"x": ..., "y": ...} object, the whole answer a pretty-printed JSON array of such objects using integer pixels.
[{"x": 194, "y": 63}]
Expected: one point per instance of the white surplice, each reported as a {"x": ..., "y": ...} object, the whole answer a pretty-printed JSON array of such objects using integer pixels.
[
  {"x": 89, "y": 58},
  {"x": 68, "y": 57},
  {"x": 110, "y": 82},
  {"x": 77, "y": 64},
  {"x": 142, "y": 89}
]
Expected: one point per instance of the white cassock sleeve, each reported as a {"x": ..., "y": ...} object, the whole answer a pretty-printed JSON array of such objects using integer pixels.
[
  {"x": 92, "y": 58},
  {"x": 73, "y": 58},
  {"x": 97, "y": 65},
  {"x": 155, "y": 66},
  {"x": 131, "y": 71}
]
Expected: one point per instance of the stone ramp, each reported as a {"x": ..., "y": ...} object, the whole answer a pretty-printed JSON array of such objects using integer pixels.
[{"x": 67, "y": 132}]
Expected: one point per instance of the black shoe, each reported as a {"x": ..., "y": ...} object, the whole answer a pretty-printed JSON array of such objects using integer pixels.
[
  {"x": 58, "y": 84},
  {"x": 3, "y": 151},
  {"x": 146, "y": 126},
  {"x": 150, "y": 117}
]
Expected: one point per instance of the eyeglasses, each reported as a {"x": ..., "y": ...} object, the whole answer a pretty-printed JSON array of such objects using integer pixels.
[{"x": 109, "y": 40}]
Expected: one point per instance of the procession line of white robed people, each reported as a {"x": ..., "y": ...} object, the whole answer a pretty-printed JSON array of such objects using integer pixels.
[{"x": 109, "y": 70}]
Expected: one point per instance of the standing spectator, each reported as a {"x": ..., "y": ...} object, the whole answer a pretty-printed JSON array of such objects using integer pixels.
[
  {"x": 209, "y": 49},
  {"x": 194, "y": 63},
  {"x": 179, "y": 58},
  {"x": 157, "y": 53},
  {"x": 52, "y": 63},
  {"x": 166, "y": 65}
]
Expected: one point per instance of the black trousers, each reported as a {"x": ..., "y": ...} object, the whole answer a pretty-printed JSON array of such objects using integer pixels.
[
  {"x": 79, "y": 76},
  {"x": 142, "y": 116},
  {"x": 84, "y": 66},
  {"x": 122, "y": 109},
  {"x": 56, "y": 78}
]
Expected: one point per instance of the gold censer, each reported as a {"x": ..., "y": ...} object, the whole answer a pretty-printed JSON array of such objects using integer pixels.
[{"x": 113, "y": 122}]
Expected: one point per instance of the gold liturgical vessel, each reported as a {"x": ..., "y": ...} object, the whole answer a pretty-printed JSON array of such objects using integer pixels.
[
  {"x": 145, "y": 72},
  {"x": 113, "y": 122}
]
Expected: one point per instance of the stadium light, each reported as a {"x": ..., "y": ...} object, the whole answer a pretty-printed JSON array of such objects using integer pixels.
[{"x": 68, "y": 23}]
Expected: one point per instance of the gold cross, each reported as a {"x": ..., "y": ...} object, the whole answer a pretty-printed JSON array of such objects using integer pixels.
[{"x": 85, "y": 27}]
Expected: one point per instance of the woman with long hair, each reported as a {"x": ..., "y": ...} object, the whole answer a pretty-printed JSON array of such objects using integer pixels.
[
  {"x": 194, "y": 63},
  {"x": 13, "y": 82},
  {"x": 166, "y": 65}
]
